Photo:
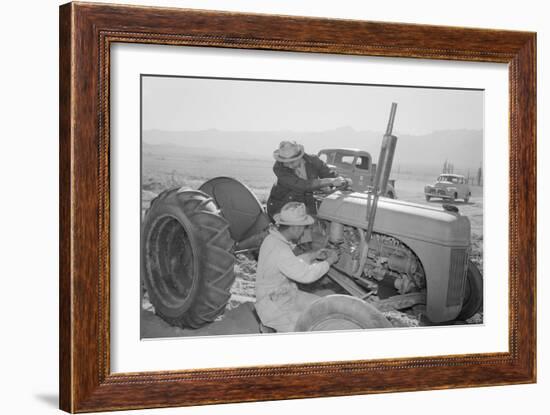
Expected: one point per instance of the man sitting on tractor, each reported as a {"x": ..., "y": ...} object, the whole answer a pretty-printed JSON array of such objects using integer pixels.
[
  {"x": 298, "y": 175},
  {"x": 279, "y": 302}
]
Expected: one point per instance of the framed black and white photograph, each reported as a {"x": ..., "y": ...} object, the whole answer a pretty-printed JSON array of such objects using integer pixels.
[
  {"x": 259, "y": 207},
  {"x": 227, "y": 139},
  {"x": 257, "y": 197}
]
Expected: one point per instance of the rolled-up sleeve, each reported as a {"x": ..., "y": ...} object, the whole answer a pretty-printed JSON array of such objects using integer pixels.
[
  {"x": 298, "y": 269},
  {"x": 287, "y": 178}
]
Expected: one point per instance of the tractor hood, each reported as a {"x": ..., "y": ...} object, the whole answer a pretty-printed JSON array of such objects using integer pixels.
[{"x": 398, "y": 218}]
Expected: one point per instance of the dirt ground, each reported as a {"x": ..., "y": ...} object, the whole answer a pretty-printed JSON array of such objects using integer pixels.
[{"x": 239, "y": 316}]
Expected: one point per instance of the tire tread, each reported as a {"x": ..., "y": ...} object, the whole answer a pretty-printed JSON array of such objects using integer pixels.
[{"x": 217, "y": 262}]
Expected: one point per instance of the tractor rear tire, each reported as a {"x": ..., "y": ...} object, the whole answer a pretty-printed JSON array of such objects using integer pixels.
[
  {"x": 340, "y": 312},
  {"x": 473, "y": 293},
  {"x": 187, "y": 263}
]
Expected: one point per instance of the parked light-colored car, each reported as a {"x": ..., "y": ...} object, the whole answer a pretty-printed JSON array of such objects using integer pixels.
[{"x": 449, "y": 187}]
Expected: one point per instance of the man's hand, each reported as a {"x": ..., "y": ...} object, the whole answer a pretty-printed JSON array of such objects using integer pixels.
[
  {"x": 321, "y": 254},
  {"x": 332, "y": 256},
  {"x": 332, "y": 181},
  {"x": 326, "y": 182},
  {"x": 338, "y": 181},
  {"x": 327, "y": 254}
]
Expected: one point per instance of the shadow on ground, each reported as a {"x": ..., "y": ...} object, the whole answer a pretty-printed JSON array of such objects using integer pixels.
[{"x": 239, "y": 320}]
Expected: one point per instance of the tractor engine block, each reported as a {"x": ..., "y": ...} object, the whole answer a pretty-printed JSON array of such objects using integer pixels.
[{"x": 386, "y": 257}]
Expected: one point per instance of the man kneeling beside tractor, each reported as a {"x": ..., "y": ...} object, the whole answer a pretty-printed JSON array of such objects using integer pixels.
[
  {"x": 281, "y": 305},
  {"x": 279, "y": 302}
]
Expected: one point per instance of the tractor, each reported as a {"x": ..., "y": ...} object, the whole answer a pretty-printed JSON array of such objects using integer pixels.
[{"x": 393, "y": 254}]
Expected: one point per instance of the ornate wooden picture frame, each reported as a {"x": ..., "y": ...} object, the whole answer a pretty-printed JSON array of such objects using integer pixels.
[{"x": 87, "y": 32}]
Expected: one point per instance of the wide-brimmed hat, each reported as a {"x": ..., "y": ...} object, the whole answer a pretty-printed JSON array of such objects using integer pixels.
[
  {"x": 288, "y": 151},
  {"x": 293, "y": 214}
]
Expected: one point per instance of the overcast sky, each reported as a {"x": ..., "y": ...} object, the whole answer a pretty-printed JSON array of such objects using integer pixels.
[{"x": 189, "y": 104}]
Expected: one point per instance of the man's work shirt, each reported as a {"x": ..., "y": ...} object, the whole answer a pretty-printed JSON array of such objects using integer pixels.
[
  {"x": 301, "y": 171},
  {"x": 297, "y": 185},
  {"x": 279, "y": 302}
]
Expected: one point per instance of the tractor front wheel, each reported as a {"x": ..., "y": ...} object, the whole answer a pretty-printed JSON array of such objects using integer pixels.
[
  {"x": 473, "y": 293},
  {"x": 340, "y": 312}
]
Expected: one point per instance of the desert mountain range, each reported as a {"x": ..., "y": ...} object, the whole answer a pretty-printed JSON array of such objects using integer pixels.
[{"x": 464, "y": 148}]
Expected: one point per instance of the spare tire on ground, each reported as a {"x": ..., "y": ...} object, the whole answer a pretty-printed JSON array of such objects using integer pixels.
[
  {"x": 340, "y": 312},
  {"x": 187, "y": 261}
]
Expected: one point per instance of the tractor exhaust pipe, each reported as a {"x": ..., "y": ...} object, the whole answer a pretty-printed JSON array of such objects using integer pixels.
[
  {"x": 383, "y": 170},
  {"x": 387, "y": 151}
]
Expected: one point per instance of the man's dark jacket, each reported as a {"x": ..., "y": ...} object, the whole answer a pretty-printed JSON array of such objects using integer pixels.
[{"x": 290, "y": 187}]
